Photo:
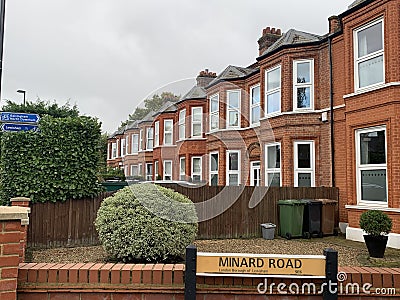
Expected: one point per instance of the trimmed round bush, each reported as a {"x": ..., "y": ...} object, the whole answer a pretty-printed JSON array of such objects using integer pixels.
[
  {"x": 146, "y": 222},
  {"x": 375, "y": 222}
]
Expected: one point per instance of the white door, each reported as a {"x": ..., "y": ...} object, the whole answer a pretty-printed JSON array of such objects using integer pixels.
[{"x": 255, "y": 178}]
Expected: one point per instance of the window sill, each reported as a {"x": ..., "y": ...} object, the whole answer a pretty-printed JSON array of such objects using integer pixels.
[
  {"x": 371, "y": 89},
  {"x": 382, "y": 207}
]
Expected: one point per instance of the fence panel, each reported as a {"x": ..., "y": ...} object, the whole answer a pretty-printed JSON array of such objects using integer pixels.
[{"x": 226, "y": 212}]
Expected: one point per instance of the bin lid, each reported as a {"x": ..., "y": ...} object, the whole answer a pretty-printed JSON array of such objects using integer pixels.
[
  {"x": 268, "y": 225},
  {"x": 291, "y": 202},
  {"x": 312, "y": 201},
  {"x": 328, "y": 201}
]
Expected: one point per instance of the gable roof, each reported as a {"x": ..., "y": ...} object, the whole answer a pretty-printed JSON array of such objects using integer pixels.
[
  {"x": 233, "y": 72},
  {"x": 167, "y": 107},
  {"x": 196, "y": 92},
  {"x": 147, "y": 118},
  {"x": 293, "y": 37}
]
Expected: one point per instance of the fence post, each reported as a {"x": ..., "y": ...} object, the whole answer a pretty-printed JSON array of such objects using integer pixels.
[
  {"x": 190, "y": 272},
  {"x": 331, "y": 271}
]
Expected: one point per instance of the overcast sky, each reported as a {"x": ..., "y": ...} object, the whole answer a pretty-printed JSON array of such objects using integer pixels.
[{"x": 107, "y": 56}]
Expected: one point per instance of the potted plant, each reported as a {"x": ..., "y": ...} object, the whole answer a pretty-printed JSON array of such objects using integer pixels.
[{"x": 376, "y": 225}]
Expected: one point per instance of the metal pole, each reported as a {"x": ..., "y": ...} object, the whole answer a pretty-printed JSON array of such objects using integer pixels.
[
  {"x": 190, "y": 273},
  {"x": 2, "y": 17},
  {"x": 331, "y": 272}
]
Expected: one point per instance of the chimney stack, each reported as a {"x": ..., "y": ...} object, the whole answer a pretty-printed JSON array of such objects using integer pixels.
[
  {"x": 205, "y": 77},
  {"x": 269, "y": 37},
  {"x": 334, "y": 24}
]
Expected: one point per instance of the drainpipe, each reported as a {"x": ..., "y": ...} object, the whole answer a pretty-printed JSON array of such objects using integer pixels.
[{"x": 331, "y": 116}]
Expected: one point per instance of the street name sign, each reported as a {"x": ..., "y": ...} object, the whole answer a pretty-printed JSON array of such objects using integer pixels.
[
  {"x": 260, "y": 264},
  {"x": 19, "y": 117},
  {"x": 10, "y": 127}
]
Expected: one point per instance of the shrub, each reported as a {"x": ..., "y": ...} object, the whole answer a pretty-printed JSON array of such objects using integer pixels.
[
  {"x": 145, "y": 222},
  {"x": 375, "y": 222}
]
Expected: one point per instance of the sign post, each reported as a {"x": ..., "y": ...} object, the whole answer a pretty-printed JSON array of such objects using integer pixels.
[{"x": 13, "y": 122}]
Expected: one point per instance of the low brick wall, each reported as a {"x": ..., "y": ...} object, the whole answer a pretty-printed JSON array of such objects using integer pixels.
[{"x": 165, "y": 281}]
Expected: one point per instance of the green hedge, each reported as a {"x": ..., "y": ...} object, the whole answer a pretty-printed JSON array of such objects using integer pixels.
[{"x": 55, "y": 164}]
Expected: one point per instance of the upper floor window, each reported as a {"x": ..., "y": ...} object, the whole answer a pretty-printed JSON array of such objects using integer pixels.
[
  {"x": 214, "y": 112},
  {"x": 157, "y": 134},
  {"x": 141, "y": 140},
  {"x": 197, "y": 121},
  {"x": 168, "y": 132},
  {"x": 233, "y": 108},
  {"x": 149, "y": 138},
  {"x": 371, "y": 165},
  {"x": 273, "y": 90},
  {"x": 181, "y": 124},
  {"x": 303, "y": 84},
  {"x": 369, "y": 65},
  {"x": 113, "y": 150},
  {"x": 255, "y": 105},
  {"x": 127, "y": 144},
  {"x": 123, "y": 148},
  {"x": 135, "y": 143}
]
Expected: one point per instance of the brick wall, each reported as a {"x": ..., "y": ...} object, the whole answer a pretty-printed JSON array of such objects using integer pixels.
[
  {"x": 13, "y": 222},
  {"x": 165, "y": 281}
]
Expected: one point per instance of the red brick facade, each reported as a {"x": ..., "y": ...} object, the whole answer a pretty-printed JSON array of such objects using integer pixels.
[{"x": 334, "y": 65}]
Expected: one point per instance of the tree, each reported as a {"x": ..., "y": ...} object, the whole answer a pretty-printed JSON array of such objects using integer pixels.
[
  {"x": 42, "y": 108},
  {"x": 152, "y": 104}
]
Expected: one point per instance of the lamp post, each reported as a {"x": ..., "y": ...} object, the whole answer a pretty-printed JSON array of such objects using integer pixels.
[
  {"x": 22, "y": 92},
  {"x": 2, "y": 17}
]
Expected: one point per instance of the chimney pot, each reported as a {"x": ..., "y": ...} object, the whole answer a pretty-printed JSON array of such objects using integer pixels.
[
  {"x": 273, "y": 30},
  {"x": 268, "y": 30},
  {"x": 278, "y": 32}
]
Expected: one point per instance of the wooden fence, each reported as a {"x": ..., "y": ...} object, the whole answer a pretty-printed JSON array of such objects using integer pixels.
[
  {"x": 242, "y": 219},
  {"x": 71, "y": 223},
  {"x": 64, "y": 224}
]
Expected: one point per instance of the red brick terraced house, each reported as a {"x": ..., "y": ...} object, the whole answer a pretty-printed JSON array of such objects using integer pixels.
[{"x": 311, "y": 111}]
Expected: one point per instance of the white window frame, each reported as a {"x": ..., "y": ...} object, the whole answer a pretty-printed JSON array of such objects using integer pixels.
[
  {"x": 155, "y": 169},
  {"x": 214, "y": 113},
  {"x": 157, "y": 134},
  {"x": 140, "y": 170},
  {"x": 140, "y": 140},
  {"x": 126, "y": 169},
  {"x": 253, "y": 106},
  {"x": 113, "y": 150},
  {"x": 182, "y": 173},
  {"x": 123, "y": 148},
  {"x": 135, "y": 145},
  {"x": 273, "y": 91},
  {"x": 169, "y": 132},
  {"x": 149, "y": 177},
  {"x": 252, "y": 168},
  {"x": 193, "y": 173},
  {"x": 194, "y": 122},
  {"x": 303, "y": 85},
  {"x": 358, "y": 60},
  {"x": 310, "y": 170},
  {"x": 164, "y": 174},
  {"x": 228, "y": 172},
  {"x": 132, "y": 170},
  {"x": 149, "y": 138},
  {"x": 118, "y": 148},
  {"x": 360, "y": 167},
  {"x": 127, "y": 145},
  {"x": 273, "y": 170},
  {"x": 181, "y": 125},
  {"x": 211, "y": 173},
  {"x": 238, "y": 109}
]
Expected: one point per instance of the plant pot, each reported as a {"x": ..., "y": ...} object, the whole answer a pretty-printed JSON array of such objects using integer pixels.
[{"x": 376, "y": 245}]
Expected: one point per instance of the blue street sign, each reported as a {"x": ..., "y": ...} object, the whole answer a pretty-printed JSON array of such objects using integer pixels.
[
  {"x": 18, "y": 127},
  {"x": 19, "y": 117}
]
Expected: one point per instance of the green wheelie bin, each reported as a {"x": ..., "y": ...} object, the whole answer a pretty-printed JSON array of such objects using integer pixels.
[{"x": 291, "y": 218}]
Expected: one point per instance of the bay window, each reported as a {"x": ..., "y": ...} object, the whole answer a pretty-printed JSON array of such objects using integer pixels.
[
  {"x": 197, "y": 121},
  {"x": 232, "y": 167},
  {"x": 273, "y": 91},
  {"x": 304, "y": 172},
  {"x": 214, "y": 112},
  {"x": 273, "y": 164},
  {"x": 196, "y": 169},
  {"x": 255, "y": 109},
  {"x": 233, "y": 109},
  {"x": 214, "y": 158},
  {"x": 181, "y": 124},
  {"x": 303, "y": 84},
  {"x": 168, "y": 132}
]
